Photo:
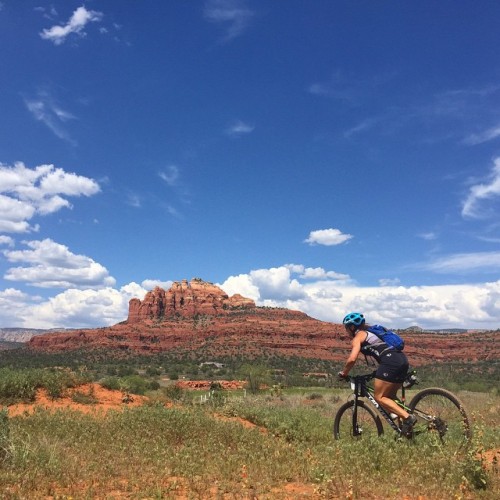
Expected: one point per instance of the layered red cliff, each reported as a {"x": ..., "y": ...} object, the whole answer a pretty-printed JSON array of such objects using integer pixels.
[{"x": 199, "y": 318}]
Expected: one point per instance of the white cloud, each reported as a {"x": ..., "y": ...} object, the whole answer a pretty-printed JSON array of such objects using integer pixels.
[
  {"x": 472, "y": 206},
  {"x": 6, "y": 240},
  {"x": 151, "y": 284},
  {"x": 45, "y": 110},
  {"x": 485, "y": 136},
  {"x": 14, "y": 215},
  {"x": 72, "y": 308},
  {"x": 344, "y": 88},
  {"x": 465, "y": 262},
  {"x": 134, "y": 200},
  {"x": 170, "y": 175},
  {"x": 171, "y": 210},
  {"x": 315, "y": 273},
  {"x": 242, "y": 284},
  {"x": 265, "y": 285},
  {"x": 331, "y": 89},
  {"x": 239, "y": 128},
  {"x": 445, "y": 306},
  {"x": 442, "y": 306},
  {"x": 389, "y": 281},
  {"x": 26, "y": 192},
  {"x": 15, "y": 308},
  {"x": 48, "y": 12},
  {"x": 76, "y": 24},
  {"x": 233, "y": 13},
  {"x": 428, "y": 236},
  {"x": 277, "y": 284},
  {"x": 365, "y": 125},
  {"x": 52, "y": 265},
  {"x": 327, "y": 237}
]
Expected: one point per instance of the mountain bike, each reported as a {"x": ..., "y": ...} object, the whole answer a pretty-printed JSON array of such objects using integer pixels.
[{"x": 441, "y": 416}]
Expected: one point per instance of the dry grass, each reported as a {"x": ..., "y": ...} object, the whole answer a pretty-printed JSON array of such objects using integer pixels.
[{"x": 283, "y": 450}]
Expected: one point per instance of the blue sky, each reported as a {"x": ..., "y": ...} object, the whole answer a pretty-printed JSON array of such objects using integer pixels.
[{"x": 322, "y": 155}]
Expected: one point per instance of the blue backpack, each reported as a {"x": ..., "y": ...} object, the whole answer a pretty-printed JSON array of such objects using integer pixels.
[{"x": 388, "y": 336}]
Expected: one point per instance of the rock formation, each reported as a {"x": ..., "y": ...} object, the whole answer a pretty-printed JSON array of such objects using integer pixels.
[
  {"x": 200, "y": 319},
  {"x": 185, "y": 299}
]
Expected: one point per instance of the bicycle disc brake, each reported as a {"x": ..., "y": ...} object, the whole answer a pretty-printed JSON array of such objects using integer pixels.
[{"x": 439, "y": 425}]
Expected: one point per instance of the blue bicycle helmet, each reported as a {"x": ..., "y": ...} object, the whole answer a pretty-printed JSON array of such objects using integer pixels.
[{"x": 356, "y": 319}]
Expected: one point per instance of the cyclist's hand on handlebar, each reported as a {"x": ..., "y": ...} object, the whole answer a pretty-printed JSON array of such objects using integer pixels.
[{"x": 341, "y": 376}]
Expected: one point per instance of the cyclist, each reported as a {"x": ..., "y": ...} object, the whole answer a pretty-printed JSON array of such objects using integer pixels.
[{"x": 391, "y": 372}]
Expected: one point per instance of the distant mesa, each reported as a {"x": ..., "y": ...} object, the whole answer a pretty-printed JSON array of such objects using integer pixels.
[
  {"x": 200, "y": 320},
  {"x": 413, "y": 328},
  {"x": 187, "y": 300}
]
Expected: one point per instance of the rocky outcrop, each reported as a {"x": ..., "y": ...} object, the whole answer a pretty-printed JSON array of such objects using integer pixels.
[
  {"x": 185, "y": 299},
  {"x": 199, "y": 319}
]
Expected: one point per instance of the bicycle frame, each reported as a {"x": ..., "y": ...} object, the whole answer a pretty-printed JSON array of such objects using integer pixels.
[{"x": 362, "y": 390}]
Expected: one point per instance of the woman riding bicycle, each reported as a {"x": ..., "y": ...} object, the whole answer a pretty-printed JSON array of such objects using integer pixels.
[{"x": 391, "y": 372}]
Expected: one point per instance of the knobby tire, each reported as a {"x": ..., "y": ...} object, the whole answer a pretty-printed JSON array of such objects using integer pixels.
[
  {"x": 450, "y": 425},
  {"x": 369, "y": 423}
]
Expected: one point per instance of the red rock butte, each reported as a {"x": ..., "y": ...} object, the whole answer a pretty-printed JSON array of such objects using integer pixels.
[
  {"x": 199, "y": 318},
  {"x": 185, "y": 299}
]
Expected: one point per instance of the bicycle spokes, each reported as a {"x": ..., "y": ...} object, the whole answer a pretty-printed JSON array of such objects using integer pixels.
[{"x": 441, "y": 415}]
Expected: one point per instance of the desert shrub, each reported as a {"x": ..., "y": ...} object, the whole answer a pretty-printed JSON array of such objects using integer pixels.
[
  {"x": 173, "y": 392},
  {"x": 314, "y": 396},
  {"x": 134, "y": 384},
  {"x": 152, "y": 371},
  {"x": 256, "y": 376},
  {"x": 153, "y": 385},
  {"x": 111, "y": 383},
  {"x": 55, "y": 385},
  {"x": 21, "y": 385},
  {"x": 86, "y": 398},
  {"x": 18, "y": 385}
]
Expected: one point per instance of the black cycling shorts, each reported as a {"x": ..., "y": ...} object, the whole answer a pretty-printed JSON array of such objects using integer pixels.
[{"x": 393, "y": 367}]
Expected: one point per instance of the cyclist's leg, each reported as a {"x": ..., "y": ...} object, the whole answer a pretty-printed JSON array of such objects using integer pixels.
[{"x": 385, "y": 393}]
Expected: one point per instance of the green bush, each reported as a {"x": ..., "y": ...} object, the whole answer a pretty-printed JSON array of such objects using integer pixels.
[
  {"x": 173, "y": 392},
  {"x": 111, "y": 383},
  {"x": 18, "y": 385},
  {"x": 55, "y": 385},
  {"x": 85, "y": 398},
  {"x": 134, "y": 384}
]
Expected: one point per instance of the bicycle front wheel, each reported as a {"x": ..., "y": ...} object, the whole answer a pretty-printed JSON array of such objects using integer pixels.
[
  {"x": 368, "y": 424},
  {"x": 442, "y": 418}
]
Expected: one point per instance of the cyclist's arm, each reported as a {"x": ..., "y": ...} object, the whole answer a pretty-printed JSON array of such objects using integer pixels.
[{"x": 356, "y": 348}]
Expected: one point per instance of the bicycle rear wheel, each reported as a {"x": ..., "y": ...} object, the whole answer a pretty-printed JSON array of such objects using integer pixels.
[
  {"x": 368, "y": 423},
  {"x": 441, "y": 418}
]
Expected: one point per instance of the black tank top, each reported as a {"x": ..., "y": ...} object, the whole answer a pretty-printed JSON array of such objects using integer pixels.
[{"x": 373, "y": 346}]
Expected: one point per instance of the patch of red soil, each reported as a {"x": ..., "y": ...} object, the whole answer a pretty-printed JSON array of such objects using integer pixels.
[
  {"x": 245, "y": 423},
  {"x": 491, "y": 459},
  {"x": 102, "y": 400},
  {"x": 297, "y": 490}
]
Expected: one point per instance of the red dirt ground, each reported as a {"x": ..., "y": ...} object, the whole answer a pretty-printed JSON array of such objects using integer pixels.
[{"x": 105, "y": 400}]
